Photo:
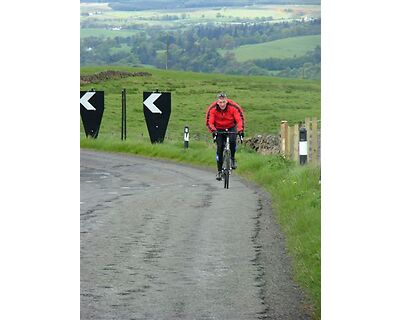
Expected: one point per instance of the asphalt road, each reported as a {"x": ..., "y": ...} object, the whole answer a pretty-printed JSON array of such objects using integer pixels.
[{"x": 167, "y": 241}]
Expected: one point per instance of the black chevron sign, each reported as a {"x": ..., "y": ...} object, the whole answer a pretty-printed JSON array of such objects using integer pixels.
[
  {"x": 157, "y": 109},
  {"x": 92, "y": 108}
]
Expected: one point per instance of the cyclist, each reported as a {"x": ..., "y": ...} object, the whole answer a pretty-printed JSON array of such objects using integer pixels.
[{"x": 225, "y": 114}]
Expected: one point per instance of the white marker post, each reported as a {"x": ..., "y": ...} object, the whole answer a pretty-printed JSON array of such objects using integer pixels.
[
  {"x": 186, "y": 137},
  {"x": 303, "y": 146}
]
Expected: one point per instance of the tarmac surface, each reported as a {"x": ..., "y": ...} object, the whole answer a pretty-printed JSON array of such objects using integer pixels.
[{"x": 166, "y": 241}]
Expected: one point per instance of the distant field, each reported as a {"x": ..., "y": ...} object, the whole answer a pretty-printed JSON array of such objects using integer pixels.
[
  {"x": 92, "y": 6},
  {"x": 283, "y": 48},
  {"x": 101, "y": 14},
  {"x": 253, "y": 12}
]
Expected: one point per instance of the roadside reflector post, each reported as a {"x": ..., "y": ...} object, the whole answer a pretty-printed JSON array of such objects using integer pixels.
[
  {"x": 303, "y": 146},
  {"x": 186, "y": 137}
]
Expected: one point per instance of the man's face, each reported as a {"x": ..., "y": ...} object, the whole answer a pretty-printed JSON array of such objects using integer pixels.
[{"x": 222, "y": 103}]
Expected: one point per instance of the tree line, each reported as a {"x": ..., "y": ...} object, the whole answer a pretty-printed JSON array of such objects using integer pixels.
[{"x": 196, "y": 49}]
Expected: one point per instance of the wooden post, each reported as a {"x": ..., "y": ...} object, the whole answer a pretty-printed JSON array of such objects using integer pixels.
[
  {"x": 308, "y": 127},
  {"x": 307, "y": 124},
  {"x": 284, "y": 134},
  {"x": 290, "y": 142},
  {"x": 296, "y": 142},
  {"x": 314, "y": 141}
]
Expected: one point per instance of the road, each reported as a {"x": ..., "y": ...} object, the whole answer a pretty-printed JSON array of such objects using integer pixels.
[{"x": 166, "y": 241}]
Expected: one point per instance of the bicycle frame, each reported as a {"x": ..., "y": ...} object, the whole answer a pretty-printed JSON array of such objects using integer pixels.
[{"x": 226, "y": 156}]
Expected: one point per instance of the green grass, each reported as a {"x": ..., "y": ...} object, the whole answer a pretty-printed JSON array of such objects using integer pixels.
[
  {"x": 295, "y": 190},
  {"x": 283, "y": 48},
  {"x": 266, "y": 101}
]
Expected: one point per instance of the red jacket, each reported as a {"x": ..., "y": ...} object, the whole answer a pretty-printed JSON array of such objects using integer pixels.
[{"x": 218, "y": 119}]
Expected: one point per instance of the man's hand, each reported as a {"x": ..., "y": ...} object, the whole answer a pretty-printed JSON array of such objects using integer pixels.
[
  {"x": 214, "y": 134},
  {"x": 241, "y": 134}
]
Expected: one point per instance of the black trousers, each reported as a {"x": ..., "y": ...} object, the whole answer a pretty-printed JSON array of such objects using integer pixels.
[{"x": 221, "y": 140}]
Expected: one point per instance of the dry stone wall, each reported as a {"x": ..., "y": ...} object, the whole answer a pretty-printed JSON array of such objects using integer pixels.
[{"x": 264, "y": 144}]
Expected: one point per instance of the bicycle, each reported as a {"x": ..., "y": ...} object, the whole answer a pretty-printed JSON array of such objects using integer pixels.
[{"x": 226, "y": 157}]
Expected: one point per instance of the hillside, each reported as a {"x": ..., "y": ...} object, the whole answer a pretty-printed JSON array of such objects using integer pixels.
[
  {"x": 266, "y": 100},
  {"x": 282, "y": 48}
]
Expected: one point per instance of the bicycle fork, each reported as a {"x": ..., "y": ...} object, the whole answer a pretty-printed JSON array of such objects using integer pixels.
[{"x": 226, "y": 165}]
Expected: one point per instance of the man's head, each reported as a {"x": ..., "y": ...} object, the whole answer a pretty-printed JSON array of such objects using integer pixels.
[{"x": 222, "y": 100}]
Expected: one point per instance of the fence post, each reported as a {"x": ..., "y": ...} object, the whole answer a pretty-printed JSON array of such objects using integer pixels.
[
  {"x": 307, "y": 125},
  {"x": 123, "y": 114},
  {"x": 284, "y": 133},
  {"x": 290, "y": 142},
  {"x": 314, "y": 141},
  {"x": 296, "y": 142}
]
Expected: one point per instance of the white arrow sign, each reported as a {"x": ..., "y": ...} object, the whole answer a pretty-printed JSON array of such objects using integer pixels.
[
  {"x": 149, "y": 102},
  {"x": 85, "y": 100}
]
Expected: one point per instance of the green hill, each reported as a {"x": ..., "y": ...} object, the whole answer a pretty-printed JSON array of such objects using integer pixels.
[
  {"x": 283, "y": 48},
  {"x": 266, "y": 100}
]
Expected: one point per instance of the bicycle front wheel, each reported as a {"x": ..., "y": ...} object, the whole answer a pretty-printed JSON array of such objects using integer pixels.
[
  {"x": 226, "y": 179},
  {"x": 226, "y": 167},
  {"x": 226, "y": 156}
]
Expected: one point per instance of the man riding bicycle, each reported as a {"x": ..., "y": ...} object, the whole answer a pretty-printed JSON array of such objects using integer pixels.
[{"x": 225, "y": 114}]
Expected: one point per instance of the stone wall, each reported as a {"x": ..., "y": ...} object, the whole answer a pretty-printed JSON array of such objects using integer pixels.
[
  {"x": 111, "y": 75},
  {"x": 264, "y": 144}
]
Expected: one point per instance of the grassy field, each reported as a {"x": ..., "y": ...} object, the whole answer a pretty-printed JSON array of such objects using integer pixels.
[
  {"x": 266, "y": 101},
  {"x": 87, "y": 7},
  {"x": 283, "y": 48},
  {"x": 102, "y": 14},
  {"x": 295, "y": 190}
]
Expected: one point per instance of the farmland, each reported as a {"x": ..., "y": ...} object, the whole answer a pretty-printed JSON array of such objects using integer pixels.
[
  {"x": 282, "y": 48},
  {"x": 100, "y": 16}
]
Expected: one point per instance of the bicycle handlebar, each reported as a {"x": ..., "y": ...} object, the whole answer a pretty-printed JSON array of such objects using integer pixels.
[{"x": 227, "y": 131}]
